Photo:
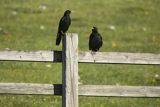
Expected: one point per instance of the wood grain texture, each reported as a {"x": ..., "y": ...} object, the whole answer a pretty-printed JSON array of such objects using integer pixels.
[
  {"x": 70, "y": 71},
  {"x": 26, "y": 88},
  {"x": 119, "y": 58},
  {"x": 119, "y": 91},
  {"x": 84, "y": 90},
  {"x": 84, "y": 57},
  {"x": 45, "y": 56}
]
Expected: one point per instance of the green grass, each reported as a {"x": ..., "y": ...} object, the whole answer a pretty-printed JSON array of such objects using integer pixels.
[{"x": 126, "y": 26}]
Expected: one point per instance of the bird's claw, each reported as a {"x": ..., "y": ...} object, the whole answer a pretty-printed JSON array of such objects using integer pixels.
[
  {"x": 93, "y": 53},
  {"x": 63, "y": 34}
]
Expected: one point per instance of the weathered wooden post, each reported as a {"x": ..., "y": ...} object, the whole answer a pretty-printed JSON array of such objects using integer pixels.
[{"x": 70, "y": 70}]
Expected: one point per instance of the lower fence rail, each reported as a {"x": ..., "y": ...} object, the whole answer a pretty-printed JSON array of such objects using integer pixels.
[{"x": 83, "y": 90}]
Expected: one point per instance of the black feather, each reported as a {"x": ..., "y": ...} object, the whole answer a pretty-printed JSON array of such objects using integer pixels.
[
  {"x": 95, "y": 40},
  {"x": 64, "y": 24}
]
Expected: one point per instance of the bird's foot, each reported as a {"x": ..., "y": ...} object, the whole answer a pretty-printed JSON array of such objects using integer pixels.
[
  {"x": 93, "y": 52},
  {"x": 63, "y": 34}
]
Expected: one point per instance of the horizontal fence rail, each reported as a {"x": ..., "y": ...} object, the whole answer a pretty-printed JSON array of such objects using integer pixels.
[
  {"x": 83, "y": 57},
  {"x": 84, "y": 90},
  {"x": 119, "y": 58},
  {"x": 45, "y": 56},
  {"x": 119, "y": 91},
  {"x": 30, "y": 89}
]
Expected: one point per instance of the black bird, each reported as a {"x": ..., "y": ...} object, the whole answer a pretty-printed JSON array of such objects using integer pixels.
[
  {"x": 95, "y": 40},
  {"x": 64, "y": 24}
]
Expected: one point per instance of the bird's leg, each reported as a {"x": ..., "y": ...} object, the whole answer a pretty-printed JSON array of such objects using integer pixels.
[
  {"x": 93, "y": 53},
  {"x": 63, "y": 34}
]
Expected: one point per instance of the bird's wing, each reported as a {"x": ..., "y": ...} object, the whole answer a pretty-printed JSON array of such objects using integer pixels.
[
  {"x": 59, "y": 33},
  {"x": 64, "y": 24},
  {"x": 61, "y": 23},
  {"x": 69, "y": 21},
  {"x": 90, "y": 41},
  {"x": 101, "y": 41}
]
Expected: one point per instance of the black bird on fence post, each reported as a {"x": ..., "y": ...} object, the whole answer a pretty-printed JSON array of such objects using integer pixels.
[
  {"x": 95, "y": 40},
  {"x": 64, "y": 24}
]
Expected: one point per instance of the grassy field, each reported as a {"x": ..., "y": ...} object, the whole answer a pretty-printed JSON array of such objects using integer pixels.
[{"x": 126, "y": 26}]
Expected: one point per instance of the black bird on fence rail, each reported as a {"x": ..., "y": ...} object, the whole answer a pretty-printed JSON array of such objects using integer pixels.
[
  {"x": 95, "y": 40},
  {"x": 64, "y": 24}
]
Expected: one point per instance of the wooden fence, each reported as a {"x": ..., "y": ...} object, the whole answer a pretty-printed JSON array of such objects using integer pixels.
[{"x": 70, "y": 57}]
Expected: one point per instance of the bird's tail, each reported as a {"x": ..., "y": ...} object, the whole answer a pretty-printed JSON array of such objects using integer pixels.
[{"x": 58, "y": 39}]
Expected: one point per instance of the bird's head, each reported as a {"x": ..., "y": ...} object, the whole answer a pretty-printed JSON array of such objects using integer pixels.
[
  {"x": 94, "y": 29},
  {"x": 67, "y": 12}
]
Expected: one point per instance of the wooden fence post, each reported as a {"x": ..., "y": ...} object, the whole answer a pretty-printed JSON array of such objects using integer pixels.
[{"x": 70, "y": 70}]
